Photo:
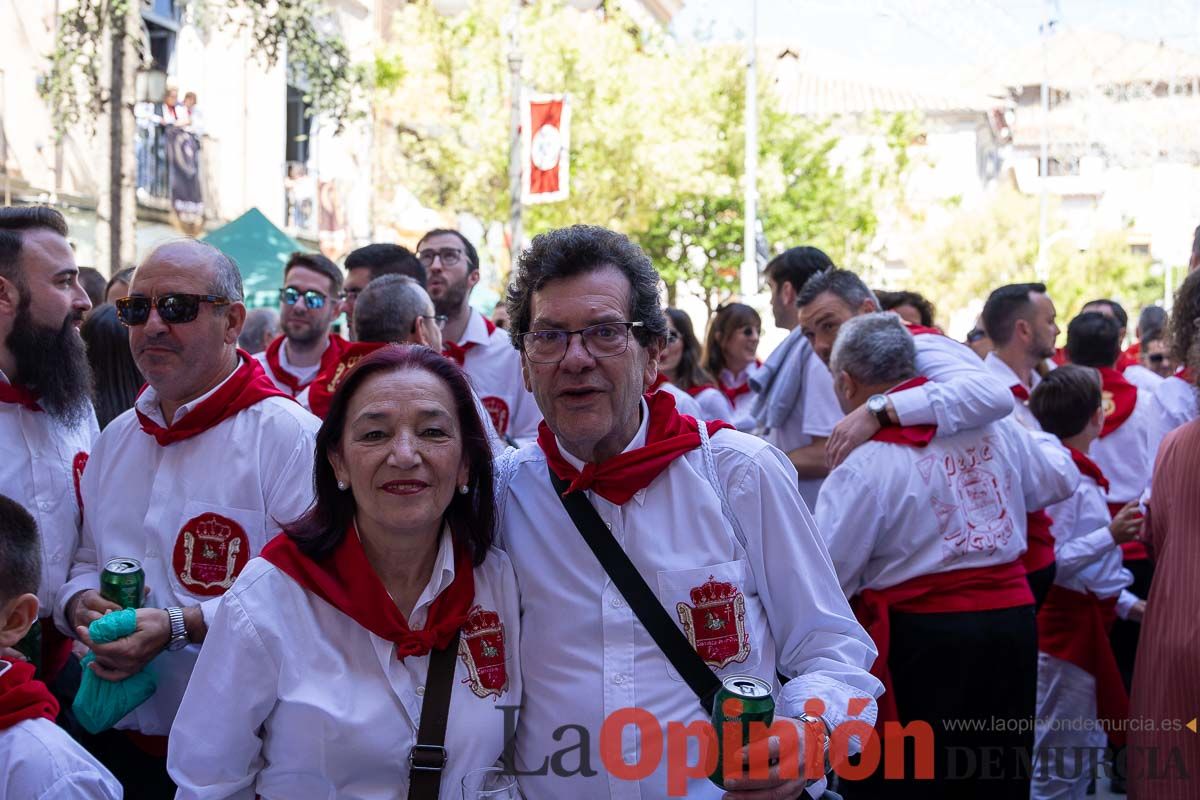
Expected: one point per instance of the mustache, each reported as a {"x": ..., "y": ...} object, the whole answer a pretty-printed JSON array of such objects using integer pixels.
[{"x": 161, "y": 342}]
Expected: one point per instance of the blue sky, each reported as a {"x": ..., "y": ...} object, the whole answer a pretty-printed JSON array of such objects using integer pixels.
[{"x": 930, "y": 33}]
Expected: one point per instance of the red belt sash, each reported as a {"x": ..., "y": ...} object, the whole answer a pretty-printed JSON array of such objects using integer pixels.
[
  {"x": 976, "y": 589},
  {"x": 1130, "y": 551},
  {"x": 1039, "y": 553},
  {"x": 1073, "y": 626}
]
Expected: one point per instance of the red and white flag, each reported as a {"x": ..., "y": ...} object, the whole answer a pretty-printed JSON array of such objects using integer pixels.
[{"x": 545, "y": 129}]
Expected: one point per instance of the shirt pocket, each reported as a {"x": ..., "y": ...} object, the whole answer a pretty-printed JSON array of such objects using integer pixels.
[
  {"x": 212, "y": 544},
  {"x": 711, "y": 608}
]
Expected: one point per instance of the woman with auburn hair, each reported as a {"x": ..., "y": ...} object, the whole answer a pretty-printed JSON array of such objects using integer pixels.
[
  {"x": 381, "y": 612},
  {"x": 680, "y": 362},
  {"x": 729, "y": 355}
]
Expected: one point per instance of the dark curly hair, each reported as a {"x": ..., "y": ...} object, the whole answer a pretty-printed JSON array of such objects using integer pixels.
[
  {"x": 889, "y": 301},
  {"x": 1185, "y": 323},
  {"x": 577, "y": 250}
]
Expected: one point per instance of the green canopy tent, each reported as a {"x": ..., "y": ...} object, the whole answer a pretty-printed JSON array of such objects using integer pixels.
[{"x": 261, "y": 250}]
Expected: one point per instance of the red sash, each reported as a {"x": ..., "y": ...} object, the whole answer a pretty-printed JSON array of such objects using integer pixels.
[
  {"x": 15, "y": 393},
  {"x": 458, "y": 352},
  {"x": 907, "y": 435},
  {"x": 1039, "y": 550},
  {"x": 346, "y": 580},
  {"x": 1073, "y": 627},
  {"x": 669, "y": 435},
  {"x": 918, "y": 330},
  {"x": 321, "y": 390},
  {"x": 975, "y": 589},
  {"x": 1120, "y": 395},
  {"x": 247, "y": 386},
  {"x": 333, "y": 351},
  {"x": 22, "y": 697}
]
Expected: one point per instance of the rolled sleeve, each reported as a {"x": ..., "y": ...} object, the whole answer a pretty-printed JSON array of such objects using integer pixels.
[{"x": 961, "y": 395}]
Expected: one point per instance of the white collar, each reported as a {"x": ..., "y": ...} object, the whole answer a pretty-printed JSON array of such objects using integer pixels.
[
  {"x": 443, "y": 573},
  {"x": 148, "y": 402},
  {"x": 476, "y": 331}
]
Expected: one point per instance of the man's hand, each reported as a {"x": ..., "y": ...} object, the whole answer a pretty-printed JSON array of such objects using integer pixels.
[
  {"x": 1137, "y": 611},
  {"x": 1127, "y": 524},
  {"x": 855, "y": 428},
  {"x": 774, "y": 785},
  {"x": 125, "y": 657},
  {"x": 88, "y": 606}
]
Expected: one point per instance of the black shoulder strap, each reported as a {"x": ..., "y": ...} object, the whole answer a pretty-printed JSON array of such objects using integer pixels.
[
  {"x": 641, "y": 598},
  {"x": 427, "y": 758}
]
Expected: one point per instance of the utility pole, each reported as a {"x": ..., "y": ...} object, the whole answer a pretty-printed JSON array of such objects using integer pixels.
[
  {"x": 514, "y": 135},
  {"x": 1047, "y": 29},
  {"x": 749, "y": 276},
  {"x": 116, "y": 206}
]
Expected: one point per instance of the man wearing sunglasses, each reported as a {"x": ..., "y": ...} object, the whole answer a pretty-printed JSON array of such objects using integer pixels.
[
  {"x": 192, "y": 482},
  {"x": 47, "y": 425},
  {"x": 483, "y": 351},
  {"x": 308, "y": 304}
]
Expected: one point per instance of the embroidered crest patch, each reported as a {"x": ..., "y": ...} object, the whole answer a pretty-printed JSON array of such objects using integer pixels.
[
  {"x": 715, "y": 623},
  {"x": 498, "y": 410},
  {"x": 481, "y": 648},
  {"x": 210, "y": 552}
]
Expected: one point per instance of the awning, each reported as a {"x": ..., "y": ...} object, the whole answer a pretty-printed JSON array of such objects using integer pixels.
[{"x": 261, "y": 250}]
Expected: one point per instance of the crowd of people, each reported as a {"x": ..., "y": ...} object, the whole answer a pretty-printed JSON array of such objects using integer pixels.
[{"x": 375, "y": 565}]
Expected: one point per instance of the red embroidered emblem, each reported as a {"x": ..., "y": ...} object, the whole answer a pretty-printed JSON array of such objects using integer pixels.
[
  {"x": 481, "y": 649},
  {"x": 498, "y": 410},
  {"x": 715, "y": 623},
  {"x": 210, "y": 552},
  {"x": 987, "y": 525},
  {"x": 77, "y": 465}
]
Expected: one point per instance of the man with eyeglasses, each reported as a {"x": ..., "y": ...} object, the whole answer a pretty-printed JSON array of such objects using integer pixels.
[
  {"x": 471, "y": 339},
  {"x": 710, "y": 518},
  {"x": 192, "y": 482},
  {"x": 47, "y": 425},
  {"x": 309, "y": 302},
  {"x": 374, "y": 261}
]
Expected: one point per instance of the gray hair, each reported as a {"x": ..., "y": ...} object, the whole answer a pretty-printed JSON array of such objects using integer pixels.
[
  {"x": 388, "y": 307},
  {"x": 840, "y": 282},
  {"x": 874, "y": 349},
  {"x": 227, "y": 278},
  {"x": 258, "y": 322}
]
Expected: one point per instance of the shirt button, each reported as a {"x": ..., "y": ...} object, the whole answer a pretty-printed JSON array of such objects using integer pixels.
[
  {"x": 608, "y": 525},
  {"x": 616, "y": 602},
  {"x": 420, "y": 691},
  {"x": 618, "y": 679},
  {"x": 44, "y": 505}
]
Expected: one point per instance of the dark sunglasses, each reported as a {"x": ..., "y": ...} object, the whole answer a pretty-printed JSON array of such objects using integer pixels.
[
  {"x": 173, "y": 308},
  {"x": 312, "y": 298},
  {"x": 1157, "y": 358},
  {"x": 975, "y": 335}
]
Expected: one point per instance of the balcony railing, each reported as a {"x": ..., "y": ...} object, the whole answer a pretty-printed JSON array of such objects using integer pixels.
[{"x": 155, "y": 178}]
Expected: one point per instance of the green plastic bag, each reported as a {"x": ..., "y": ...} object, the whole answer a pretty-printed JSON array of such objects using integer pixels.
[{"x": 100, "y": 704}]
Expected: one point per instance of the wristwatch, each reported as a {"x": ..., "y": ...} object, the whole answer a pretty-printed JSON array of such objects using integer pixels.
[
  {"x": 179, "y": 637},
  {"x": 877, "y": 405}
]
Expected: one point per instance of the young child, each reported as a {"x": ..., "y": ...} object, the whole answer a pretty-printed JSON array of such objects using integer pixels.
[
  {"x": 1078, "y": 678},
  {"x": 37, "y": 758}
]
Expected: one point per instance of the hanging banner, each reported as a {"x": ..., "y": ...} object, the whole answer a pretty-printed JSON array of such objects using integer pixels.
[
  {"x": 183, "y": 165},
  {"x": 545, "y": 133}
]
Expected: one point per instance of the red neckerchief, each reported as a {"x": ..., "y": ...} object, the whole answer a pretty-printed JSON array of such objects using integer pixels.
[
  {"x": 975, "y": 589},
  {"x": 247, "y": 386},
  {"x": 1134, "y": 351},
  {"x": 1184, "y": 374},
  {"x": 1088, "y": 467},
  {"x": 659, "y": 380},
  {"x": 908, "y": 435},
  {"x": 1124, "y": 398},
  {"x": 346, "y": 580},
  {"x": 21, "y": 697},
  {"x": 917, "y": 330},
  {"x": 1060, "y": 356},
  {"x": 1020, "y": 392},
  {"x": 669, "y": 435},
  {"x": 458, "y": 352},
  {"x": 333, "y": 351},
  {"x": 1125, "y": 361},
  {"x": 695, "y": 390},
  {"x": 15, "y": 393},
  {"x": 321, "y": 390}
]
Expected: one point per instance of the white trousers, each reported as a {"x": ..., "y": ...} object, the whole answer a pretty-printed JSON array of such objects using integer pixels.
[{"x": 1068, "y": 740}]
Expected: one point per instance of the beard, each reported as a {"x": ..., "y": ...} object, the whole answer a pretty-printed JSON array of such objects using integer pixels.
[
  {"x": 451, "y": 300},
  {"x": 53, "y": 363}
]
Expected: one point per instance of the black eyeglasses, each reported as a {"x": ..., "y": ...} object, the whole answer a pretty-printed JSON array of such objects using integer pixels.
[
  {"x": 672, "y": 337},
  {"x": 312, "y": 298},
  {"x": 438, "y": 319},
  {"x": 1157, "y": 358},
  {"x": 449, "y": 256},
  {"x": 601, "y": 341},
  {"x": 173, "y": 308}
]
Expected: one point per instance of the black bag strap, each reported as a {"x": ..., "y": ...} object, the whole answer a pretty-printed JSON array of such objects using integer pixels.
[
  {"x": 641, "y": 598},
  {"x": 427, "y": 758}
]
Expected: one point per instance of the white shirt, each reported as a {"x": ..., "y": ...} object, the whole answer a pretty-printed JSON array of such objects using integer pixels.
[
  {"x": 1142, "y": 378},
  {"x": 961, "y": 393},
  {"x": 1176, "y": 404},
  {"x": 890, "y": 513},
  {"x": 684, "y": 402},
  {"x": 713, "y": 404},
  {"x": 585, "y": 655},
  {"x": 1005, "y": 374},
  {"x": 322, "y": 707},
  {"x": 41, "y": 468},
  {"x": 494, "y": 367},
  {"x": 1126, "y": 456},
  {"x": 1088, "y": 559},
  {"x": 192, "y": 513},
  {"x": 743, "y": 404},
  {"x": 303, "y": 375},
  {"x": 40, "y": 761},
  {"x": 815, "y": 416}
]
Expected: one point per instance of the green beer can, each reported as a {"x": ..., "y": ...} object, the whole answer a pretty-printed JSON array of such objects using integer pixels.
[
  {"x": 123, "y": 582},
  {"x": 742, "y": 699}
]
